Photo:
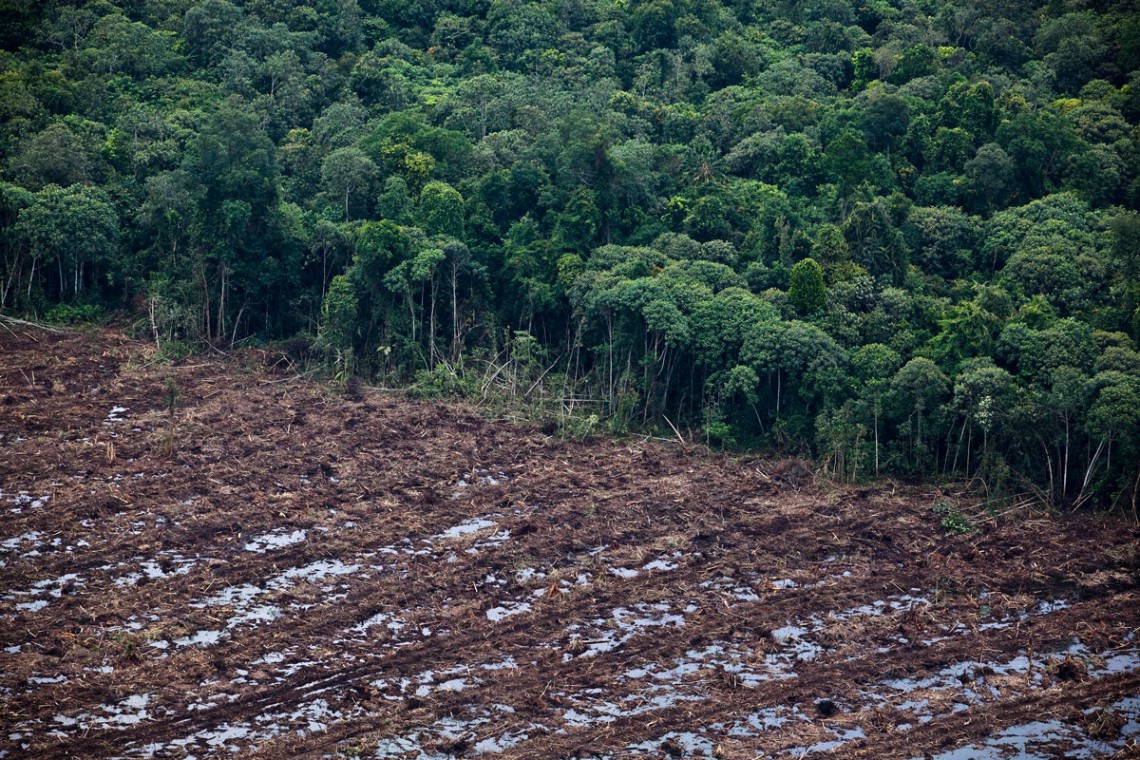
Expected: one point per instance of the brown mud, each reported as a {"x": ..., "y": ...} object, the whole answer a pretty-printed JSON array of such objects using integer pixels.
[{"x": 290, "y": 572}]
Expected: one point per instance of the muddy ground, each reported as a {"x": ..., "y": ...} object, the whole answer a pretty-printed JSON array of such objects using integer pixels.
[{"x": 304, "y": 573}]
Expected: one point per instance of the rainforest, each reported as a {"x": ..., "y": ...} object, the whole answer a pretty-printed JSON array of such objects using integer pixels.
[{"x": 897, "y": 237}]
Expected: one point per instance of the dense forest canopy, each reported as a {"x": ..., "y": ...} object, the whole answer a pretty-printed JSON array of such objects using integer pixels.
[{"x": 900, "y": 235}]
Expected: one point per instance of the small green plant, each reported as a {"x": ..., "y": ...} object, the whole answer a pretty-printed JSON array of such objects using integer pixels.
[
  {"x": 719, "y": 432},
  {"x": 353, "y": 750},
  {"x": 942, "y": 507},
  {"x": 580, "y": 428},
  {"x": 126, "y": 644},
  {"x": 624, "y": 412},
  {"x": 442, "y": 381},
  {"x": 66, "y": 314},
  {"x": 343, "y": 367},
  {"x": 174, "y": 350},
  {"x": 953, "y": 521}
]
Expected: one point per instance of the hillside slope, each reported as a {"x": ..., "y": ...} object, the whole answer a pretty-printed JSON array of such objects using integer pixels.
[{"x": 315, "y": 575}]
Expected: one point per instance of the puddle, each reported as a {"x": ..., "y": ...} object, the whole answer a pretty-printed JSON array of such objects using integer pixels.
[
  {"x": 768, "y": 719},
  {"x": 594, "y": 713},
  {"x": 896, "y": 603},
  {"x": 1123, "y": 662},
  {"x": 505, "y": 664},
  {"x": 116, "y": 415},
  {"x": 473, "y": 525},
  {"x": 526, "y": 575},
  {"x": 726, "y": 585},
  {"x": 23, "y": 500},
  {"x": 200, "y": 638},
  {"x": 219, "y": 737},
  {"x": 389, "y": 621},
  {"x": 842, "y": 736},
  {"x": 739, "y": 662},
  {"x": 663, "y": 564},
  {"x": 264, "y": 613},
  {"x": 313, "y": 572},
  {"x": 129, "y": 712},
  {"x": 972, "y": 674},
  {"x": 40, "y": 680},
  {"x": 241, "y": 600},
  {"x": 495, "y": 614},
  {"x": 232, "y": 596},
  {"x": 790, "y": 639},
  {"x": 974, "y": 684},
  {"x": 51, "y": 587},
  {"x": 154, "y": 570},
  {"x": 312, "y": 717},
  {"x": 451, "y": 729},
  {"x": 11, "y": 544},
  {"x": 1038, "y": 739},
  {"x": 480, "y": 477},
  {"x": 495, "y": 744},
  {"x": 1047, "y": 739},
  {"x": 796, "y": 645},
  {"x": 605, "y": 635},
  {"x": 275, "y": 540},
  {"x": 795, "y": 638},
  {"x": 1044, "y": 607},
  {"x": 685, "y": 744}
]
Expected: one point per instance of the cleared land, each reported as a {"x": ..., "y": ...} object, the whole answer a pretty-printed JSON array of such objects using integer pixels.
[{"x": 307, "y": 574}]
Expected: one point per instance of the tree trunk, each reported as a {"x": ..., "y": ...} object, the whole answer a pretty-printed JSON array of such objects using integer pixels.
[
  {"x": 610, "y": 330},
  {"x": 1065, "y": 472},
  {"x": 1081, "y": 497},
  {"x": 455, "y": 349},
  {"x": 876, "y": 440},
  {"x": 221, "y": 322}
]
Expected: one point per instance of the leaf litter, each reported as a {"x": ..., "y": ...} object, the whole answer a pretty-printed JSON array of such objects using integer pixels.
[{"x": 369, "y": 576}]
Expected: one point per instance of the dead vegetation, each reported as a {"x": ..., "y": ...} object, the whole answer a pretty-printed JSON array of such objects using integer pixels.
[{"x": 269, "y": 565}]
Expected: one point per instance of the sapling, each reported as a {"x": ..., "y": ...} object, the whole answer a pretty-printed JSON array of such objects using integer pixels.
[{"x": 171, "y": 394}]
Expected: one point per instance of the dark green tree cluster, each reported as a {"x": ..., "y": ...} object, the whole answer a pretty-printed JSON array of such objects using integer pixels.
[{"x": 901, "y": 236}]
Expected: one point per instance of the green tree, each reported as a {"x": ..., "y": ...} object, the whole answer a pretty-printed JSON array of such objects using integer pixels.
[
  {"x": 74, "y": 231},
  {"x": 55, "y": 156},
  {"x": 13, "y": 199},
  {"x": 886, "y": 117},
  {"x": 1114, "y": 426},
  {"x": 209, "y": 29},
  {"x": 395, "y": 203},
  {"x": 918, "y": 389},
  {"x": 806, "y": 290},
  {"x": 339, "y": 323},
  {"x": 873, "y": 366},
  {"x": 441, "y": 210},
  {"x": 990, "y": 174},
  {"x": 348, "y": 174},
  {"x": 232, "y": 163}
]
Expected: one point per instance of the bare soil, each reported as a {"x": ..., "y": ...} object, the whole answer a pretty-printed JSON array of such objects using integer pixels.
[{"x": 285, "y": 571}]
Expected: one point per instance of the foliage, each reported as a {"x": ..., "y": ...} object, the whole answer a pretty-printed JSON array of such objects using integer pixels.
[
  {"x": 902, "y": 237},
  {"x": 806, "y": 291},
  {"x": 953, "y": 521}
]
